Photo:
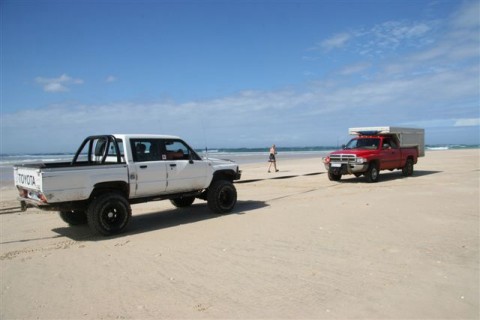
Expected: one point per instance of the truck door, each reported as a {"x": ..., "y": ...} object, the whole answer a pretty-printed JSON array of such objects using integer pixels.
[
  {"x": 186, "y": 171},
  {"x": 150, "y": 169},
  {"x": 390, "y": 154}
]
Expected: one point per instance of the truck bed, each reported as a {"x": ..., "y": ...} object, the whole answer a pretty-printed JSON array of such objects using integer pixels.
[
  {"x": 46, "y": 165},
  {"x": 57, "y": 182}
]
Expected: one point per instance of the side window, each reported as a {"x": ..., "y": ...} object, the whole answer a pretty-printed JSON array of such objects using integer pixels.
[
  {"x": 374, "y": 143},
  {"x": 176, "y": 150},
  {"x": 389, "y": 143},
  {"x": 394, "y": 144},
  {"x": 146, "y": 150}
]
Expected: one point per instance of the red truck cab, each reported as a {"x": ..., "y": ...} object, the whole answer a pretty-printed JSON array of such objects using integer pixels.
[{"x": 375, "y": 150}]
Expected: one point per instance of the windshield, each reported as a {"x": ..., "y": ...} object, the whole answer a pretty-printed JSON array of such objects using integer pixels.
[{"x": 363, "y": 143}]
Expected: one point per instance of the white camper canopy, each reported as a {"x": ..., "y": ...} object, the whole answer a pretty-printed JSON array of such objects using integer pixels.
[{"x": 408, "y": 137}]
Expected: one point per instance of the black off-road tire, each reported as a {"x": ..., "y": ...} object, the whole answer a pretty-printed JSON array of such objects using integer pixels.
[
  {"x": 74, "y": 217},
  {"x": 372, "y": 172},
  {"x": 334, "y": 177},
  {"x": 407, "y": 171},
  {"x": 182, "y": 202},
  {"x": 109, "y": 213},
  {"x": 222, "y": 196}
]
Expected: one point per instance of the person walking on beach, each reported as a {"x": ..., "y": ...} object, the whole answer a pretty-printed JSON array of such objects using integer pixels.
[{"x": 272, "y": 159}]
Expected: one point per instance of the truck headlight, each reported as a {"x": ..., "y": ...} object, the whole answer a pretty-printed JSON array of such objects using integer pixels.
[{"x": 360, "y": 160}]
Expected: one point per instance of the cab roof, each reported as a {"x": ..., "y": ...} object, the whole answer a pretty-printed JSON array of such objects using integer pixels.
[{"x": 140, "y": 136}]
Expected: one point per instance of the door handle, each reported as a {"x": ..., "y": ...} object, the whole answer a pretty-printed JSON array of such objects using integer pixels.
[
  {"x": 173, "y": 164},
  {"x": 143, "y": 167}
]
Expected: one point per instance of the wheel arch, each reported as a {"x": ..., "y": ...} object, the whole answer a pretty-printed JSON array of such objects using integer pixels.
[
  {"x": 226, "y": 174},
  {"x": 414, "y": 159},
  {"x": 110, "y": 186},
  {"x": 375, "y": 162}
]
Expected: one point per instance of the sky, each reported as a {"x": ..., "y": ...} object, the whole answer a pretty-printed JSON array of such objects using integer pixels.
[{"x": 236, "y": 73}]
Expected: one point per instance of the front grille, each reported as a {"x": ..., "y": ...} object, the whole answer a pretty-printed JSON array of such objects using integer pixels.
[{"x": 343, "y": 158}]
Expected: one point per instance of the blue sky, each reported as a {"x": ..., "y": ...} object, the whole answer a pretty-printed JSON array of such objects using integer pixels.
[{"x": 237, "y": 73}]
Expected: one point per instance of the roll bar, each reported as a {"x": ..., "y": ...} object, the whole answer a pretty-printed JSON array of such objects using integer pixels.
[{"x": 109, "y": 139}]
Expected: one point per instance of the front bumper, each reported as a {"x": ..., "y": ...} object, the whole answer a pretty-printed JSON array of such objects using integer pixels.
[
  {"x": 346, "y": 168},
  {"x": 238, "y": 175}
]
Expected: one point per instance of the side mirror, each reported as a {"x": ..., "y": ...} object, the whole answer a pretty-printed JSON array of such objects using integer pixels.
[
  {"x": 190, "y": 158},
  {"x": 343, "y": 146}
]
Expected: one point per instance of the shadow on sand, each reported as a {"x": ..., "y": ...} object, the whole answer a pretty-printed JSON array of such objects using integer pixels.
[
  {"x": 160, "y": 220},
  {"x": 388, "y": 176},
  {"x": 279, "y": 177}
]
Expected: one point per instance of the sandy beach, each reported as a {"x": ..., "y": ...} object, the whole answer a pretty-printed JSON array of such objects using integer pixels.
[{"x": 297, "y": 246}]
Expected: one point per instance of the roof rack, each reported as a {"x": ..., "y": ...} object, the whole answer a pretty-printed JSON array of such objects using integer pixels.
[{"x": 368, "y": 133}]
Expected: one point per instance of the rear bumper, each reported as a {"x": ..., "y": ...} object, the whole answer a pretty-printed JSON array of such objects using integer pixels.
[
  {"x": 31, "y": 203},
  {"x": 59, "y": 206}
]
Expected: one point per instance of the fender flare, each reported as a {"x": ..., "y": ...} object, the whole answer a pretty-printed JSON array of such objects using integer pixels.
[{"x": 111, "y": 186}]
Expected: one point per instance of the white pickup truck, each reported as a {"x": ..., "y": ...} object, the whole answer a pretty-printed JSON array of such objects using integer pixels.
[{"x": 110, "y": 172}]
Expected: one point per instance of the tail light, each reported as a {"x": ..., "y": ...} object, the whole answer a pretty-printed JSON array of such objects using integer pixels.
[
  {"x": 42, "y": 197},
  {"x": 22, "y": 193},
  {"x": 35, "y": 195}
]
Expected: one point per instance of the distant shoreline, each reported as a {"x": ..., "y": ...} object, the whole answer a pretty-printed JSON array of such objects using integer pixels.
[{"x": 4, "y": 156}]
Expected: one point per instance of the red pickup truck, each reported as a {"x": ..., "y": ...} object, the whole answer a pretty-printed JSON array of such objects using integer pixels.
[{"x": 375, "y": 149}]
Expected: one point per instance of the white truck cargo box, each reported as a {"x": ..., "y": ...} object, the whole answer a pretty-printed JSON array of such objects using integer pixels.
[{"x": 407, "y": 137}]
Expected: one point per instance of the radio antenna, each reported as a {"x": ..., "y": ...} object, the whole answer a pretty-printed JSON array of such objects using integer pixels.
[{"x": 204, "y": 137}]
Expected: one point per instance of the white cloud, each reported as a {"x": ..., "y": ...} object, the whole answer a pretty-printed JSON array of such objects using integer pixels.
[
  {"x": 444, "y": 123},
  {"x": 467, "y": 16},
  {"x": 337, "y": 41},
  {"x": 54, "y": 87},
  {"x": 467, "y": 122},
  {"x": 111, "y": 79},
  {"x": 59, "y": 84},
  {"x": 355, "y": 68},
  {"x": 396, "y": 31},
  {"x": 382, "y": 38}
]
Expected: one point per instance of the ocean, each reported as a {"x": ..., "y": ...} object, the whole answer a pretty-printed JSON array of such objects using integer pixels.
[{"x": 239, "y": 155}]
